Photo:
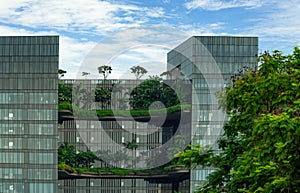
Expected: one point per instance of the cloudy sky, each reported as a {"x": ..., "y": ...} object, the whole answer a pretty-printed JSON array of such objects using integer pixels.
[{"x": 124, "y": 33}]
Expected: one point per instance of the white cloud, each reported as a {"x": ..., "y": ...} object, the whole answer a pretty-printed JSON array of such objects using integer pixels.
[
  {"x": 89, "y": 16},
  {"x": 214, "y": 5},
  {"x": 151, "y": 57},
  {"x": 139, "y": 46},
  {"x": 72, "y": 52},
  {"x": 202, "y": 29},
  {"x": 279, "y": 27},
  {"x": 166, "y": 1},
  {"x": 15, "y": 31},
  {"x": 155, "y": 12}
]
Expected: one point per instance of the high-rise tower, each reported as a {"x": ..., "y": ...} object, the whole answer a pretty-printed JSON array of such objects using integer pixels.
[
  {"x": 209, "y": 62},
  {"x": 28, "y": 114}
]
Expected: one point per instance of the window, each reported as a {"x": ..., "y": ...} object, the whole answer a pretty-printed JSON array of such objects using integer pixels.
[
  {"x": 41, "y": 158},
  {"x": 11, "y": 173},
  {"x": 41, "y": 187},
  {"x": 40, "y": 174},
  {"x": 40, "y": 114},
  {"x": 9, "y": 157},
  {"x": 40, "y": 143},
  {"x": 11, "y": 187},
  {"x": 41, "y": 129},
  {"x": 42, "y": 98},
  {"x": 11, "y": 143},
  {"x": 11, "y": 129}
]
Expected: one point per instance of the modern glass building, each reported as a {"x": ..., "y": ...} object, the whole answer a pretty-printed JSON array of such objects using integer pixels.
[
  {"x": 28, "y": 114},
  {"x": 209, "y": 62},
  {"x": 29, "y": 123}
]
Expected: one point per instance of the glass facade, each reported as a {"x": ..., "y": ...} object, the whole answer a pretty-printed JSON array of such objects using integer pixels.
[
  {"x": 28, "y": 114},
  {"x": 209, "y": 62},
  {"x": 88, "y": 133}
]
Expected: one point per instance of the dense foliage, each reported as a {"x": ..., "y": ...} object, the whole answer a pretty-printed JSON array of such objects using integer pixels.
[
  {"x": 261, "y": 141},
  {"x": 68, "y": 155},
  {"x": 150, "y": 91},
  {"x": 103, "y": 95},
  {"x": 64, "y": 93}
]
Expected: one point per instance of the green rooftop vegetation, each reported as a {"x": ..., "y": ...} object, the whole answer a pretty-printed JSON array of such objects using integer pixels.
[
  {"x": 116, "y": 171},
  {"x": 124, "y": 113},
  {"x": 81, "y": 162},
  {"x": 137, "y": 101}
]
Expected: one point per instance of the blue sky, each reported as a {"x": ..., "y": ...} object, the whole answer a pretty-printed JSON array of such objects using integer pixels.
[{"x": 130, "y": 32}]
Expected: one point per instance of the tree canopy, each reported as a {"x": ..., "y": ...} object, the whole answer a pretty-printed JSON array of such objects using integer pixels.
[
  {"x": 150, "y": 91},
  {"x": 261, "y": 141},
  {"x": 67, "y": 154},
  {"x": 138, "y": 71},
  {"x": 105, "y": 71}
]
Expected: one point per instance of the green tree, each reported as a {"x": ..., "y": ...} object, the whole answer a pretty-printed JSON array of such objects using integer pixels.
[
  {"x": 151, "y": 90},
  {"x": 264, "y": 107},
  {"x": 103, "y": 95},
  {"x": 86, "y": 158},
  {"x": 261, "y": 141},
  {"x": 138, "y": 71},
  {"x": 105, "y": 71},
  {"x": 67, "y": 154},
  {"x": 64, "y": 93}
]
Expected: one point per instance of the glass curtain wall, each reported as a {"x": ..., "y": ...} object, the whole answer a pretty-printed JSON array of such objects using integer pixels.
[
  {"x": 209, "y": 62},
  {"x": 28, "y": 114}
]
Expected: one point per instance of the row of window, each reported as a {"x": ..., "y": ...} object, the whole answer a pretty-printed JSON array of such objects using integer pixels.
[
  {"x": 41, "y": 188},
  {"x": 27, "y": 50},
  {"x": 30, "y": 114},
  {"x": 34, "y": 129},
  {"x": 211, "y": 83},
  {"x": 126, "y": 125},
  {"x": 35, "y": 174},
  {"x": 22, "y": 83},
  {"x": 28, "y": 67},
  {"x": 107, "y": 183},
  {"x": 13, "y": 187},
  {"x": 11, "y": 173},
  {"x": 34, "y": 98},
  {"x": 10, "y": 187},
  {"x": 32, "y": 143},
  {"x": 34, "y": 158},
  {"x": 225, "y": 50},
  {"x": 97, "y": 138},
  {"x": 144, "y": 133}
]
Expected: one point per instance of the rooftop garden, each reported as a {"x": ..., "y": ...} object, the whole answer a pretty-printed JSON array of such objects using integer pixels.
[
  {"x": 82, "y": 162},
  {"x": 151, "y": 97}
]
